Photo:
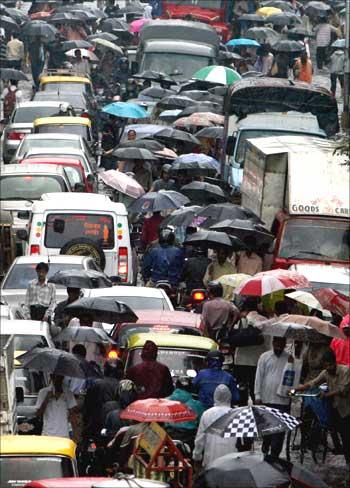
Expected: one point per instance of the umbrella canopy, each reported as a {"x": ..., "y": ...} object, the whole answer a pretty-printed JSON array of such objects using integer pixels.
[
  {"x": 202, "y": 119},
  {"x": 102, "y": 309},
  {"x": 321, "y": 326},
  {"x": 104, "y": 43},
  {"x": 219, "y": 74},
  {"x": 182, "y": 216},
  {"x": 203, "y": 96},
  {"x": 202, "y": 107},
  {"x": 84, "y": 54},
  {"x": 125, "y": 110},
  {"x": 266, "y": 11},
  {"x": 193, "y": 168},
  {"x": 246, "y": 470},
  {"x": 198, "y": 158},
  {"x": 80, "y": 278},
  {"x": 268, "y": 282},
  {"x": 317, "y": 8},
  {"x": 306, "y": 298},
  {"x": 210, "y": 239},
  {"x": 170, "y": 134},
  {"x": 39, "y": 28},
  {"x": 158, "y": 410},
  {"x": 175, "y": 101},
  {"x": 230, "y": 283},
  {"x": 169, "y": 115},
  {"x": 288, "y": 46},
  {"x": 16, "y": 14},
  {"x": 218, "y": 212},
  {"x": 166, "y": 153},
  {"x": 245, "y": 229},
  {"x": 158, "y": 201},
  {"x": 282, "y": 19},
  {"x": 339, "y": 43},
  {"x": 155, "y": 92},
  {"x": 12, "y": 74},
  {"x": 200, "y": 192},
  {"x": 54, "y": 361},
  {"x": 83, "y": 334},
  {"x": 243, "y": 42},
  {"x": 127, "y": 153},
  {"x": 299, "y": 33},
  {"x": 137, "y": 25},
  {"x": 103, "y": 35},
  {"x": 251, "y": 18},
  {"x": 143, "y": 143},
  {"x": 281, "y": 4},
  {"x": 333, "y": 300},
  {"x": 254, "y": 421},
  {"x": 122, "y": 183},
  {"x": 296, "y": 332},
  {"x": 263, "y": 34},
  {"x": 156, "y": 76},
  {"x": 64, "y": 18},
  {"x": 78, "y": 44},
  {"x": 85, "y": 15},
  {"x": 108, "y": 25},
  {"x": 211, "y": 133},
  {"x": 8, "y": 24}
]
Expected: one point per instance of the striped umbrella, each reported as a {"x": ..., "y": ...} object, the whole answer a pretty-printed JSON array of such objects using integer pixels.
[{"x": 217, "y": 74}]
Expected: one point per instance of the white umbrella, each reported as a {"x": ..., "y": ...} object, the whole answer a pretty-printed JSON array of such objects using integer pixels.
[
  {"x": 305, "y": 298},
  {"x": 122, "y": 183},
  {"x": 84, "y": 54},
  {"x": 108, "y": 44}
]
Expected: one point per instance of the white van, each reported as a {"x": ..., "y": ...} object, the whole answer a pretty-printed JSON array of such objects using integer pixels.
[{"x": 85, "y": 224}]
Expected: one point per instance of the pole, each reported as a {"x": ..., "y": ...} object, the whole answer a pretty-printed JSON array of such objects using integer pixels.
[{"x": 346, "y": 106}]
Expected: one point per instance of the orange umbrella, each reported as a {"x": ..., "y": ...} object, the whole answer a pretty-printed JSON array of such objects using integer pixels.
[{"x": 158, "y": 410}]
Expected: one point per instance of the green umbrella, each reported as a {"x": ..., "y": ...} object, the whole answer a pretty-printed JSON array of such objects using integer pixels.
[{"x": 217, "y": 74}]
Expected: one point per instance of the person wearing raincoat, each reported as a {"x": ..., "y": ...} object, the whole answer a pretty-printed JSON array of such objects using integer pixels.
[{"x": 341, "y": 347}]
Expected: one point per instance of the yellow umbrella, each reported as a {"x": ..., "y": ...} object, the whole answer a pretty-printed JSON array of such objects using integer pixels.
[
  {"x": 230, "y": 283},
  {"x": 266, "y": 11}
]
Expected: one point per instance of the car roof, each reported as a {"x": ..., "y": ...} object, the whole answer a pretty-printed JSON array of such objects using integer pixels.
[
  {"x": 70, "y": 151},
  {"x": 29, "y": 169},
  {"x": 168, "y": 317},
  {"x": 34, "y": 103},
  {"x": 60, "y": 258},
  {"x": 62, "y": 121},
  {"x": 36, "y": 444},
  {"x": 78, "y": 201},
  {"x": 172, "y": 340},
  {"x": 53, "y": 160},
  {"x": 27, "y": 327},
  {"x": 128, "y": 291},
  {"x": 64, "y": 79},
  {"x": 54, "y": 135}
]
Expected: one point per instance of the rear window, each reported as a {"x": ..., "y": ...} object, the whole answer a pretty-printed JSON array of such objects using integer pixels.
[
  {"x": 127, "y": 331},
  {"x": 98, "y": 228},
  {"x": 29, "y": 187},
  {"x": 32, "y": 144},
  {"x": 78, "y": 130},
  {"x": 63, "y": 87},
  {"x": 27, "y": 115}
]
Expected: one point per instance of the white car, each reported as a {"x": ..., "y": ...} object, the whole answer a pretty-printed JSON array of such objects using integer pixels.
[
  {"x": 27, "y": 334},
  {"x": 22, "y": 271},
  {"x": 326, "y": 276}
]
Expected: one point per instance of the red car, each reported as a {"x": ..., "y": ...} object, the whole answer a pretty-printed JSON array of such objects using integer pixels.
[{"x": 65, "y": 482}]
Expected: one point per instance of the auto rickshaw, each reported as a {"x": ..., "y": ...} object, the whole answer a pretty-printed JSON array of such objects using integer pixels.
[
  {"x": 66, "y": 83},
  {"x": 7, "y": 242},
  {"x": 80, "y": 126},
  {"x": 27, "y": 458}
]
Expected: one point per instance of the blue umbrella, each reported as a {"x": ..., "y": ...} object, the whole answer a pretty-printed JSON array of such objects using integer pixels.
[
  {"x": 125, "y": 110},
  {"x": 243, "y": 42},
  {"x": 198, "y": 158}
]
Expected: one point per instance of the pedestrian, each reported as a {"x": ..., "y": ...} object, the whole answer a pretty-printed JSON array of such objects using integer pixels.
[
  {"x": 95, "y": 352},
  {"x": 268, "y": 377},
  {"x": 57, "y": 56},
  {"x": 336, "y": 68},
  {"x": 11, "y": 96},
  {"x": 81, "y": 66},
  {"x": 303, "y": 68},
  {"x": 341, "y": 347},
  {"x": 62, "y": 318},
  {"x": 15, "y": 52},
  {"x": 194, "y": 269},
  {"x": 40, "y": 298},
  {"x": 219, "y": 267},
  {"x": 142, "y": 174},
  {"x": 208, "y": 447},
  {"x": 248, "y": 261},
  {"x": 37, "y": 59},
  {"x": 323, "y": 39},
  {"x": 265, "y": 59},
  {"x": 164, "y": 182},
  {"x": 218, "y": 313},
  {"x": 152, "y": 378},
  {"x": 209, "y": 378},
  {"x": 150, "y": 229},
  {"x": 54, "y": 406},
  {"x": 337, "y": 377}
]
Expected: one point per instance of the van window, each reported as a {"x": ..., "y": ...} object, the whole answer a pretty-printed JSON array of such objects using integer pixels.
[{"x": 98, "y": 228}]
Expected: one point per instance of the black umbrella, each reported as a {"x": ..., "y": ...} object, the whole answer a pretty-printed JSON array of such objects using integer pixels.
[
  {"x": 158, "y": 201},
  {"x": 197, "y": 85},
  {"x": 64, "y": 18},
  {"x": 78, "y": 44},
  {"x": 133, "y": 153},
  {"x": 80, "y": 278},
  {"x": 317, "y": 8},
  {"x": 12, "y": 74},
  {"x": 16, "y": 14},
  {"x": 9, "y": 24},
  {"x": 169, "y": 134},
  {"x": 156, "y": 76},
  {"x": 83, "y": 334},
  {"x": 229, "y": 56},
  {"x": 221, "y": 211},
  {"x": 201, "y": 107},
  {"x": 201, "y": 193},
  {"x": 174, "y": 101},
  {"x": 155, "y": 92},
  {"x": 108, "y": 25},
  {"x": 149, "y": 144},
  {"x": 181, "y": 217},
  {"x": 288, "y": 46},
  {"x": 211, "y": 133},
  {"x": 284, "y": 18},
  {"x": 210, "y": 239},
  {"x": 299, "y": 32},
  {"x": 219, "y": 90},
  {"x": 84, "y": 15},
  {"x": 123, "y": 35},
  {"x": 97, "y": 12},
  {"x": 193, "y": 168},
  {"x": 131, "y": 9},
  {"x": 102, "y": 309},
  {"x": 107, "y": 36},
  {"x": 251, "y": 18},
  {"x": 54, "y": 361},
  {"x": 243, "y": 229},
  {"x": 39, "y": 28},
  {"x": 202, "y": 96},
  {"x": 262, "y": 34}
]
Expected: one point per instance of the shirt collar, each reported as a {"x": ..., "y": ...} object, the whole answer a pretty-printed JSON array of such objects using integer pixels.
[{"x": 39, "y": 284}]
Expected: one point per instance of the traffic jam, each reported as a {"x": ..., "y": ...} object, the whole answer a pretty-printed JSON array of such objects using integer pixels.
[{"x": 175, "y": 265}]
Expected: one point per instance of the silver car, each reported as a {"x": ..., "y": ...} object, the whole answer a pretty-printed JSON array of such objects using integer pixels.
[{"x": 21, "y": 123}]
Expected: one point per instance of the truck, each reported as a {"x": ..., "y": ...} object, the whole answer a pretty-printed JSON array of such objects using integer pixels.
[
  {"x": 299, "y": 186},
  {"x": 178, "y": 48},
  {"x": 8, "y": 407}
]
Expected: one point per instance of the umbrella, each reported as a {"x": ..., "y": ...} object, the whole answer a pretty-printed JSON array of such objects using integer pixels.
[
  {"x": 175, "y": 101},
  {"x": 198, "y": 158},
  {"x": 122, "y": 183},
  {"x": 262, "y": 34},
  {"x": 107, "y": 44},
  {"x": 102, "y": 309},
  {"x": 16, "y": 14},
  {"x": 96, "y": 11},
  {"x": 211, "y": 133},
  {"x": 197, "y": 85},
  {"x": 333, "y": 300},
  {"x": 306, "y": 298},
  {"x": 64, "y": 18},
  {"x": 78, "y": 44},
  {"x": 282, "y": 19},
  {"x": 169, "y": 115},
  {"x": 128, "y": 153},
  {"x": 244, "y": 229},
  {"x": 251, "y": 18},
  {"x": 254, "y": 421},
  {"x": 317, "y": 8},
  {"x": 12, "y": 74},
  {"x": 143, "y": 143},
  {"x": 217, "y": 212},
  {"x": 296, "y": 332},
  {"x": 156, "y": 76},
  {"x": 103, "y": 35},
  {"x": 83, "y": 334},
  {"x": 299, "y": 33},
  {"x": 138, "y": 24},
  {"x": 193, "y": 168},
  {"x": 155, "y": 92},
  {"x": 252, "y": 74},
  {"x": 201, "y": 192},
  {"x": 84, "y": 54},
  {"x": 230, "y": 283},
  {"x": 84, "y": 15},
  {"x": 158, "y": 201},
  {"x": 108, "y": 25},
  {"x": 266, "y": 11},
  {"x": 181, "y": 217},
  {"x": 169, "y": 134},
  {"x": 268, "y": 282},
  {"x": 210, "y": 239},
  {"x": 39, "y": 28},
  {"x": 219, "y": 74},
  {"x": 242, "y": 42},
  {"x": 9, "y": 24},
  {"x": 202, "y": 119},
  {"x": 202, "y": 107},
  {"x": 157, "y": 410},
  {"x": 321, "y": 326},
  {"x": 54, "y": 361},
  {"x": 288, "y": 46},
  {"x": 131, "y": 9},
  {"x": 166, "y": 153},
  {"x": 125, "y": 110},
  {"x": 281, "y": 4},
  {"x": 339, "y": 43},
  {"x": 244, "y": 470},
  {"x": 203, "y": 96},
  {"x": 80, "y": 278}
]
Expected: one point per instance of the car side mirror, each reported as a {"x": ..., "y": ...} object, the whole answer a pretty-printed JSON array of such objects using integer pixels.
[
  {"x": 22, "y": 235},
  {"x": 58, "y": 226},
  {"x": 23, "y": 214},
  {"x": 19, "y": 394},
  {"x": 90, "y": 178},
  {"x": 230, "y": 146}
]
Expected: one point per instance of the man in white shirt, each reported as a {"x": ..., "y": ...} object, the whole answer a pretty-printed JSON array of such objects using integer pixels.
[
  {"x": 15, "y": 52},
  {"x": 54, "y": 406},
  {"x": 267, "y": 380},
  {"x": 81, "y": 65}
]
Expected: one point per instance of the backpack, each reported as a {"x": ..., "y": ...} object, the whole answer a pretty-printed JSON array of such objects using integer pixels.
[{"x": 9, "y": 102}]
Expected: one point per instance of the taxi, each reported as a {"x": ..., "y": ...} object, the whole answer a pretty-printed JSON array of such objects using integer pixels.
[
  {"x": 80, "y": 126},
  {"x": 66, "y": 83},
  {"x": 27, "y": 458}
]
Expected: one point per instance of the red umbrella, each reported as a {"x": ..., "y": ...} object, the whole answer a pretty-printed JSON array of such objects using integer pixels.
[
  {"x": 270, "y": 281},
  {"x": 333, "y": 300},
  {"x": 158, "y": 410}
]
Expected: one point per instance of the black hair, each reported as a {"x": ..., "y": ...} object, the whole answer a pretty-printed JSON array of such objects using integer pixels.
[
  {"x": 43, "y": 266},
  {"x": 79, "y": 349},
  {"x": 281, "y": 307},
  {"x": 329, "y": 357},
  {"x": 249, "y": 305}
]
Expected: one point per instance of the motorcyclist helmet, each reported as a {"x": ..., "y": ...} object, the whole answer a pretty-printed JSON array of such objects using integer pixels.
[
  {"x": 166, "y": 236},
  {"x": 215, "y": 357},
  {"x": 127, "y": 393},
  {"x": 215, "y": 289}
]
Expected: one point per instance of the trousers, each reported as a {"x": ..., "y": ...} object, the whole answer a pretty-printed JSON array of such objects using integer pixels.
[{"x": 274, "y": 442}]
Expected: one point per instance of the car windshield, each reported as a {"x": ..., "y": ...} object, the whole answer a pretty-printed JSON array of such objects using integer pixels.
[
  {"x": 17, "y": 471},
  {"x": 78, "y": 130},
  {"x": 29, "y": 187},
  {"x": 30, "y": 381},
  {"x": 98, "y": 228},
  {"x": 27, "y": 115},
  {"x": 76, "y": 100},
  {"x": 174, "y": 64},
  {"x": 21, "y": 274},
  {"x": 63, "y": 87},
  {"x": 32, "y": 144},
  {"x": 128, "y": 330},
  {"x": 320, "y": 240},
  {"x": 179, "y": 361}
]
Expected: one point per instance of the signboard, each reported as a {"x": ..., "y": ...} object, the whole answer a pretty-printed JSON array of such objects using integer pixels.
[{"x": 152, "y": 438}]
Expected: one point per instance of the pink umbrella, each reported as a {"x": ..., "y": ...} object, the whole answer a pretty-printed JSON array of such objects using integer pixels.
[
  {"x": 122, "y": 183},
  {"x": 166, "y": 153},
  {"x": 137, "y": 25}
]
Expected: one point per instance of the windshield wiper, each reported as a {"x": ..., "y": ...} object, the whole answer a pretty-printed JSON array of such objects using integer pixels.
[
  {"x": 313, "y": 253},
  {"x": 18, "y": 198}
]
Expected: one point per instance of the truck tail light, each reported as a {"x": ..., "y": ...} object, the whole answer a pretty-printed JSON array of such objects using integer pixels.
[
  {"x": 34, "y": 249},
  {"x": 15, "y": 136},
  {"x": 123, "y": 263}
]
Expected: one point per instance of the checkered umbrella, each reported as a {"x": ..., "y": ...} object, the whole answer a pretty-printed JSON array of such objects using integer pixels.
[{"x": 255, "y": 421}]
